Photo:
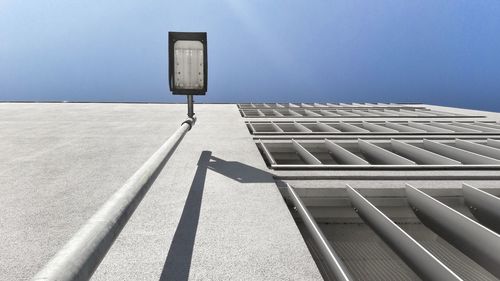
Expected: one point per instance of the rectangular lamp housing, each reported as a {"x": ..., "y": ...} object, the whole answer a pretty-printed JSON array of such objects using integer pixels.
[{"x": 187, "y": 63}]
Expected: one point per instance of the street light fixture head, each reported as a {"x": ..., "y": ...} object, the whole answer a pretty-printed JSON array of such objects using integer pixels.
[{"x": 188, "y": 63}]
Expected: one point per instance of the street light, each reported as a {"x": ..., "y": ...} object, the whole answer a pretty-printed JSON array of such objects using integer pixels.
[
  {"x": 81, "y": 256},
  {"x": 187, "y": 52}
]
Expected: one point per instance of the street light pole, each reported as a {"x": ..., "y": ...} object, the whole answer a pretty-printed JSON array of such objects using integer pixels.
[
  {"x": 83, "y": 253},
  {"x": 190, "y": 106}
]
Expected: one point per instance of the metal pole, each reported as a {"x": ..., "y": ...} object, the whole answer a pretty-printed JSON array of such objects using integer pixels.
[
  {"x": 332, "y": 260},
  {"x": 83, "y": 253},
  {"x": 190, "y": 106}
]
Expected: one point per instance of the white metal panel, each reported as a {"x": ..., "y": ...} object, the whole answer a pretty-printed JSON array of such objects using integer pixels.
[
  {"x": 382, "y": 155},
  {"x": 301, "y": 128},
  {"x": 377, "y": 128},
  {"x": 403, "y": 128},
  {"x": 475, "y": 127},
  {"x": 473, "y": 239},
  {"x": 305, "y": 154},
  {"x": 331, "y": 259},
  {"x": 493, "y": 143},
  {"x": 417, "y": 113},
  {"x": 421, "y": 155},
  {"x": 343, "y": 155},
  {"x": 363, "y": 113},
  {"x": 311, "y": 113},
  {"x": 495, "y": 126},
  {"x": 277, "y": 128},
  {"x": 267, "y": 153},
  {"x": 453, "y": 128},
  {"x": 428, "y": 128},
  {"x": 346, "y": 113},
  {"x": 478, "y": 148},
  {"x": 294, "y": 113},
  {"x": 380, "y": 112},
  {"x": 399, "y": 113},
  {"x": 484, "y": 206},
  {"x": 461, "y": 155},
  {"x": 326, "y": 128},
  {"x": 351, "y": 128},
  {"x": 328, "y": 113},
  {"x": 277, "y": 113},
  {"x": 423, "y": 263}
]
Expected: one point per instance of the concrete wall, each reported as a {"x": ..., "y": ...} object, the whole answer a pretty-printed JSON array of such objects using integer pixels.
[{"x": 213, "y": 213}]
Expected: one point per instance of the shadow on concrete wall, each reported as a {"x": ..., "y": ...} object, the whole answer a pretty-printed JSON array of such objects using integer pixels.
[
  {"x": 238, "y": 171},
  {"x": 179, "y": 256},
  {"x": 178, "y": 261}
]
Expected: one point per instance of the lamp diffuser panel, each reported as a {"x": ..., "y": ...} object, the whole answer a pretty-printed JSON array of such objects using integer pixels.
[{"x": 188, "y": 65}]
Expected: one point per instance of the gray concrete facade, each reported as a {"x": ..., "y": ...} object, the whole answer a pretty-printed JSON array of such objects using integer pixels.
[
  {"x": 217, "y": 210},
  {"x": 213, "y": 213}
]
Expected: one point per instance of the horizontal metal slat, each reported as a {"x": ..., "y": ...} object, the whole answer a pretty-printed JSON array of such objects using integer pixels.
[
  {"x": 351, "y": 128},
  {"x": 421, "y": 155},
  {"x": 418, "y": 113},
  {"x": 346, "y": 113},
  {"x": 260, "y": 113},
  {"x": 399, "y": 113},
  {"x": 475, "y": 127},
  {"x": 403, "y": 128},
  {"x": 332, "y": 260},
  {"x": 434, "y": 112},
  {"x": 363, "y": 113},
  {"x": 379, "y": 112},
  {"x": 495, "y": 126},
  {"x": 476, "y": 241},
  {"x": 423, "y": 263},
  {"x": 301, "y": 128},
  {"x": 277, "y": 128},
  {"x": 484, "y": 206},
  {"x": 311, "y": 113},
  {"x": 252, "y": 128},
  {"x": 277, "y": 113},
  {"x": 429, "y": 128},
  {"x": 493, "y": 143},
  {"x": 328, "y": 113},
  {"x": 377, "y": 128},
  {"x": 305, "y": 154},
  {"x": 343, "y": 155},
  {"x": 478, "y": 148},
  {"x": 453, "y": 128},
  {"x": 268, "y": 154},
  {"x": 461, "y": 155},
  {"x": 294, "y": 113},
  {"x": 382, "y": 155},
  {"x": 325, "y": 128}
]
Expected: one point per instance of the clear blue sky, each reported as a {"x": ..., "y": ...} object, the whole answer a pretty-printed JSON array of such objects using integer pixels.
[{"x": 433, "y": 51}]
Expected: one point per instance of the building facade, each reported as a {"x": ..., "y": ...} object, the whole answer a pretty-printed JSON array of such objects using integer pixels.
[{"x": 398, "y": 191}]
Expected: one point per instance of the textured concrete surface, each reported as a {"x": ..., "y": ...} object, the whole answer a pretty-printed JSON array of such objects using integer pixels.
[{"x": 214, "y": 213}]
